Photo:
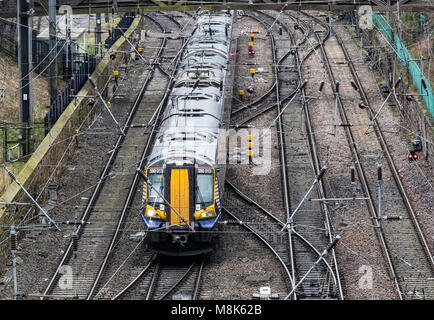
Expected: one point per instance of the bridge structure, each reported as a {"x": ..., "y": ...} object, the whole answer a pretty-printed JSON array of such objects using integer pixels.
[{"x": 8, "y": 8}]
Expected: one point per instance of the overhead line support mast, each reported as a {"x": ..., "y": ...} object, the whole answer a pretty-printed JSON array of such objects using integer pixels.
[{"x": 24, "y": 17}]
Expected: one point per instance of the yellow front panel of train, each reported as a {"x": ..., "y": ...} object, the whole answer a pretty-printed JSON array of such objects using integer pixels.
[{"x": 179, "y": 196}]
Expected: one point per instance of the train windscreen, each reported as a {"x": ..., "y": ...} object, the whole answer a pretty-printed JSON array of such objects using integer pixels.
[
  {"x": 157, "y": 181},
  {"x": 204, "y": 189}
]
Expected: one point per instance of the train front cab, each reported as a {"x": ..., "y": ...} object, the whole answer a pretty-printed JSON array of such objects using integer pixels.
[{"x": 185, "y": 227}]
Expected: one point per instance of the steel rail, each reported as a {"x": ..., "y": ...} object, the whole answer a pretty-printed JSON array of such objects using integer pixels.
[
  {"x": 284, "y": 173},
  {"x": 271, "y": 90},
  {"x": 264, "y": 96},
  {"x": 281, "y": 223},
  {"x": 247, "y": 226},
  {"x": 312, "y": 143},
  {"x": 389, "y": 158},
  {"x": 159, "y": 65},
  {"x": 198, "y": 279},
  {"x": 258, "y": 101},
  {"x": 176, "y": 284},
  {"x": 153, "y": 280},
  {"x": 136, "y": 279}
]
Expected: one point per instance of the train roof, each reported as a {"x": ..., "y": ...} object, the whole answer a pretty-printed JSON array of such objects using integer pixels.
[{"x": 190, "y": 124}]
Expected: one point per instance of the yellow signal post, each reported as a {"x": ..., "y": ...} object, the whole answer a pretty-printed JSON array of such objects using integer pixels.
[
  {"x": 139, "y": 50},
  {"x": 116, "y": 74},
  {"x": 250, "y": 47},
  {"x": 241, "y": 94},
  {"x": 250, "y": 148},
  {"x": 109, "y": 105},
  {"x": 252, "y": 72},
  {"x": 252, "y": 36}
]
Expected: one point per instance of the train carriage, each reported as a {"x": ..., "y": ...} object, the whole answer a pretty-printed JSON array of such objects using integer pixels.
[{"x": 181, "y": 196}]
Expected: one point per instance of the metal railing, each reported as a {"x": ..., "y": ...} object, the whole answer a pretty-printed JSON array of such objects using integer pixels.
[{"x": 78, "y": 79}]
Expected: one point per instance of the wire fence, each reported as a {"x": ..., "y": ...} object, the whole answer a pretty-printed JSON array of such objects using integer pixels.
[{"x": 419, "y": 79}]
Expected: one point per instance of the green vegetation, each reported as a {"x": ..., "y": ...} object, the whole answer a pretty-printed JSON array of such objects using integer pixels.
[{"x": 9, "y": 110}]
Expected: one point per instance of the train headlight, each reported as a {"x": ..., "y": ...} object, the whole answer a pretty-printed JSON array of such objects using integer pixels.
[
  {"x": 205, "y": 213},
  {"x": 154, "y": 214}
]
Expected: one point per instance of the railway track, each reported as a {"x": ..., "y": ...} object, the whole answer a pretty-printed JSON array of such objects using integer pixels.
[
  {"x": 162, "y": 279},
  {"x": 242, "y": 114},
  {"x": 165, "y": 22},
  {"x": 260, "y": 222},
  {"x": 96, "y": 243},
  {"x": 323, "y": 283},
  {"x": 267, "y": 227},
  {"x": 405, "y": 249},
  {"x": 310, "y": 225}
]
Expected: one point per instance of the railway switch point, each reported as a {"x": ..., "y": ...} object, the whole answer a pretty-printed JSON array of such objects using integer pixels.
[{"x": 289, "y": 92}]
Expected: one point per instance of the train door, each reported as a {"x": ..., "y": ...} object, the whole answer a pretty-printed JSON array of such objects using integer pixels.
[{"x": 179, "y": 196}]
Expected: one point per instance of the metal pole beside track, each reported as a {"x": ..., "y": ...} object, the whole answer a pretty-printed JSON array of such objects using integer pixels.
[{"x": 30, "y": 196}]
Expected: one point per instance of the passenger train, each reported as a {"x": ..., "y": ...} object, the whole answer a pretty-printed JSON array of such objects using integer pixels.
[{"x": 181, "y": 196}]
